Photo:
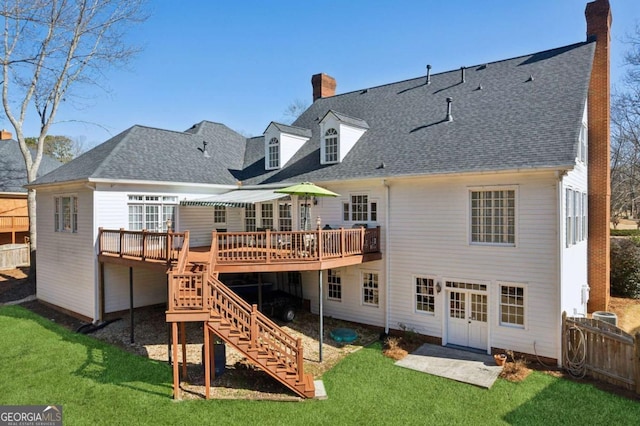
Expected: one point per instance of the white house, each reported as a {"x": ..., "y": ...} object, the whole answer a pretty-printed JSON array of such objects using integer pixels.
[{"x": 479, "y": 179}]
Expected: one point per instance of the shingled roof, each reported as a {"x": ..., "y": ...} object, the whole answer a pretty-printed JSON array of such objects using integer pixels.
[
  {"x": 13, "y": 172},
  {"x": 519, "y": 113},
  {"x": 150, "y": 154}
]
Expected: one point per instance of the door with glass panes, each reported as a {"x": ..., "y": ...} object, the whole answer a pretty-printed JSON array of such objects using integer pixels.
[{"x": 467, "y": 314}]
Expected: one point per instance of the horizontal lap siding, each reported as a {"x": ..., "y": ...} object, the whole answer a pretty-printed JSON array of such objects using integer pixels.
[
  {"x": 350, "y": 308},
  {"x": 149, "y": 287},
  {"x": 66, "y": 261},
  {"x": 199, "y": 222},
  {"x": 429, "y": 235}
]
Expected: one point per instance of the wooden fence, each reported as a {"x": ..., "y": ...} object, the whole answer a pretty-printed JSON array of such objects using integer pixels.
[
  {"x": 604, "y": 351},
  {"x": 14, "y": 255}
]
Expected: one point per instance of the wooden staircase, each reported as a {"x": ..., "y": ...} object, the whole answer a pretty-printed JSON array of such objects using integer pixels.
[
  {"x": 263, "y": 342},
  {"x": 196, "y": 294}
]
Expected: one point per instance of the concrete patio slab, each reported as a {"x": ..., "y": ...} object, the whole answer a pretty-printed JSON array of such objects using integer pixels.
[{"x": 462, "y": 366}]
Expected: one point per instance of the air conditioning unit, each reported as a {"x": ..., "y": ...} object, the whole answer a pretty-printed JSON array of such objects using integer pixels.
[{"x": 609, "y": 317}]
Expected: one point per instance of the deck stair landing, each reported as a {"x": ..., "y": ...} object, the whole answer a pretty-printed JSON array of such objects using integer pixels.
[{"x": 241, "y": 325}]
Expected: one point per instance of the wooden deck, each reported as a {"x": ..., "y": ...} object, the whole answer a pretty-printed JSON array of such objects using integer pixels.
[
  {"x": 14, "y": 225},
  {"x": 266, "y": 251}
]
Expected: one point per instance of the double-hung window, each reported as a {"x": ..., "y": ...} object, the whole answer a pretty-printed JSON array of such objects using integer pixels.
[
  {"x": 66, "y": 214},
  {"x": 575, "y": 216},
  {"x": 331, "y": 146},
  {"x": 512, "y": 305},
  {"x": 360, "y": 209},
  {"x": 267, "y": 215},
  {"x": 152, "y": 212},
  {"x": 493, "y": 217},
  {"x": 274, "y": 153},
  {"x": 219, "y": 215},
  {"x": 284, "y": 216},
  {"x": 425, "y": 294},
  {"x": 250, "y": 218},
  {"x": 335, "y": 284},
  {"x": 370, "y": 295}
]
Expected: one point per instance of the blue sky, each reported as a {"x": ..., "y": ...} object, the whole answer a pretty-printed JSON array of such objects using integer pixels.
[{"x": 242, "y": 63}]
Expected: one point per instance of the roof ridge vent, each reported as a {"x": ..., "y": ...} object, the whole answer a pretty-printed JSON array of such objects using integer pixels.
[
  {"x": 462, "y": 79},
  {"x": 428, "y": 74},
  {"x": 449, "y": 116}
]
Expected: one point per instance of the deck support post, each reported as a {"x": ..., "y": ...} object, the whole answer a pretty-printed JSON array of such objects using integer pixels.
[
  {"x": 183, "y": 341},
  {"x": 131, "y": 303},
  {"x": 207, "y": 362},
  {"x": 101, "y": 293},
  {"x": 321, "y": 334},
  {"x": 176, "y": 371}
]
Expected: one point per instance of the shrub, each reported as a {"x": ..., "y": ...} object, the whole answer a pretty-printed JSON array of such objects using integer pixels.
[
  {"x": 625, "y": 232},
  {"x": 625, "y": 267}
]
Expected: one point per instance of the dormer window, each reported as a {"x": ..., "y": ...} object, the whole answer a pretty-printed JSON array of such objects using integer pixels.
[
  {"x": 331, "y": 146},
  {"x": 339, "y": 134},
  {"x": 274, "y": 153}
]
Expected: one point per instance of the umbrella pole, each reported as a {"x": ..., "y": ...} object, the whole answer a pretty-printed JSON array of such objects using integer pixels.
[{"x": 321, "y": 335}]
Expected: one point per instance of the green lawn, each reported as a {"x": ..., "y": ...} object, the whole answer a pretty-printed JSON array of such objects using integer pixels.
[{"x": 42, "y": 363}]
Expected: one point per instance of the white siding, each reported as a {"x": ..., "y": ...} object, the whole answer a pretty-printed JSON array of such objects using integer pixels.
[
  {"x": 199, "y": 222},
  {"x": 351, "y": 307},
  {"x": 149, "y": 287},
  {"x": 66, "y": 263},
  {"x": 429, "y": 235},
  {"x": 574, "y": 258}
]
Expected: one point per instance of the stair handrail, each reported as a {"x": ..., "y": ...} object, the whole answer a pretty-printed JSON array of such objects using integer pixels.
[
  {"x": 277, "y": 341},
  {"x": 183, "y": 253}
]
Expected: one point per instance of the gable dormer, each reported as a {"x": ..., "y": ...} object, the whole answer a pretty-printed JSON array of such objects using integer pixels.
[
  {"x": 281, "y": 142},
  {"x": 338, "y": 134}
]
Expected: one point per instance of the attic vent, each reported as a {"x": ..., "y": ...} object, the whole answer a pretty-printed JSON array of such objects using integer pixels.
[
  {"x": 204, "y": 151},
  {"x": 364, "y": 91},
  {"x": 530, "y": 78},
  {"x": 428, "y": 74},
  {"x": 462, "y": 79},
  {"x": 449, "y": 116}
]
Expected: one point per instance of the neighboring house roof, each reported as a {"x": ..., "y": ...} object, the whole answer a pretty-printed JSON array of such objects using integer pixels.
[
  {"x": 144, "y": 153},
  {"x": 13, "y": 172},
  {"x": 519, "y": 113}
]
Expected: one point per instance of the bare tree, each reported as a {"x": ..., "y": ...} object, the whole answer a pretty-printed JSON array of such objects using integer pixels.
[
  {"x": 625, "y": 137},
  {"x": 50, "y": 46},
  {"x": 293, "y": 110}
]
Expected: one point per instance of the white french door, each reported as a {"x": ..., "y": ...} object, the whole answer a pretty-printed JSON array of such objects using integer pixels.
[{"x": 467, "y": 323}]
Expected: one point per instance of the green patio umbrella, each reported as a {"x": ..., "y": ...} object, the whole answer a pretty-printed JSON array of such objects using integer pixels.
[{"x": 306, "y": 190}]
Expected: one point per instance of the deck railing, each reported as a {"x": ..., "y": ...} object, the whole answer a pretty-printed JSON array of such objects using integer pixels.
[
  {"x": 286, "y": 246},
  {"x": 143, "y": 245},
  {"x": 14, "y": 223}
]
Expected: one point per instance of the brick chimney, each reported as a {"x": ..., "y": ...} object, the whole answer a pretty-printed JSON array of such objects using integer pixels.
[
  {"x": 598, "y": 14},
  {"x": 323, "y": 86},
  {"x": 5, "y": 135}
]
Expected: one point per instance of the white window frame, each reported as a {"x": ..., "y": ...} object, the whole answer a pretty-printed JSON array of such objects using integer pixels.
[
  {"x": 273, "y": 154},
  {"x": 166, "y": 206},
  {"x": 220, "y": 215},
  {"x": 575, "y": 204},
  {"x": 568, "y": 205},
  {"x": 349, "y": 214},
  {"x": 505, "y": 212},
  {"x": 285, "y": 216},
  {"x": 334, "y": 284},
  {"x": 331, "y": 153},
  {"x": 267, "y": 216},
  {"x": 417, "y": 295},
  {"x": 502, "y": 323},
  {"x": 59, "y": 215},
  {"x": 250, "y": 220},
  {"x": 365, "y": 281},
  {"x": 583, "y": 143}
]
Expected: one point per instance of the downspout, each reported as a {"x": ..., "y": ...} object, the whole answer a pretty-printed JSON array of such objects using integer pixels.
[
  {"x": 387, "y": 266},
  {"x": 97, "y": 297},
  {"x": 559, "y": 257}
]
